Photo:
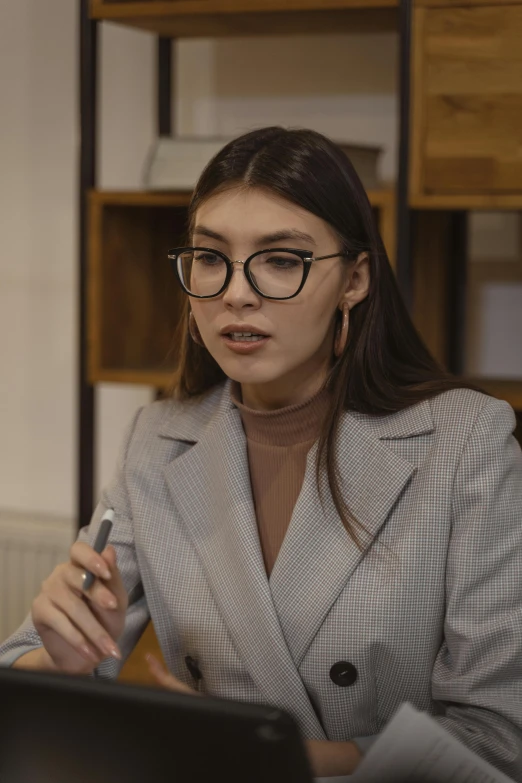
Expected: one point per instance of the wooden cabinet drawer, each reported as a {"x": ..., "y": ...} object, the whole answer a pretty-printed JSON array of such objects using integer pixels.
[{"x": 466, "y": 98}]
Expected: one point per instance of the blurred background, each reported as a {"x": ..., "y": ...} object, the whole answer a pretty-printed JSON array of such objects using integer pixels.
[{"x": 342, "y": 81}]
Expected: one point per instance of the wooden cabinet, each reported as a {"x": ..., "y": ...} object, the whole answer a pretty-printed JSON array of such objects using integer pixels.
[{"x": 467, "y": 99}]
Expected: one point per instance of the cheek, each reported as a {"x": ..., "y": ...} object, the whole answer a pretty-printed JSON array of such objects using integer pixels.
[
  {"x": 307, "y": 329},
  {"x": 206, "y": 313},
  {"x": 316, "y": 316}
]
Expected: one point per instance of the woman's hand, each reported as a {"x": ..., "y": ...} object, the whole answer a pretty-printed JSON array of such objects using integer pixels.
[
  {"x": 329, "y": 759},
  {"x": 165, "y": 679},
  {"x": 79, "y": 629}
]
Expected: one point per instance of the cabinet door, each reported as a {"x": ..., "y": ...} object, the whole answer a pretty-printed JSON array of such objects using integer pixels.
[{"x": 467, "y": 97}]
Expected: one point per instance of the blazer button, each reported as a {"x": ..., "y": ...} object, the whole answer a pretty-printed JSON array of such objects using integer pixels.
[
  {"x": 343, "y": 673},
  {"x": 193, "y": 667}
]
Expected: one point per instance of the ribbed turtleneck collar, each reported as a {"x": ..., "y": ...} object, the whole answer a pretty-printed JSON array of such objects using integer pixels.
[{"x": 287, "y": 426}]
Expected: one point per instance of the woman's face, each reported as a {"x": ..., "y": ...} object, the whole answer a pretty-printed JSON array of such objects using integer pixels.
[{"x": 292, "y": 363}]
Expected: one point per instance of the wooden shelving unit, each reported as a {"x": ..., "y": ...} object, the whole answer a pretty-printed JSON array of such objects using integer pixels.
[{"x": 464, "y": 73}]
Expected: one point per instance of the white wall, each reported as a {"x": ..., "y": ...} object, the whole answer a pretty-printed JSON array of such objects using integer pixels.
[
  {"x": 38, "y": 248},
  {"x": 37, "y": 254},
  {"x": 341, "y": 85}
]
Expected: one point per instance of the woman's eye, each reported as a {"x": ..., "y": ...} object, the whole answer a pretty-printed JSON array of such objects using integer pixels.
[
  {"x": 280, "y": 262},
  {"x": 208, "y": 258}
]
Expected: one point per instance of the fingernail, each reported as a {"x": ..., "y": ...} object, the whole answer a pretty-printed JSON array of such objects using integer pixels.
[
  {"x": 103, "y": 571},
  {"x": 111, "y": 649}
]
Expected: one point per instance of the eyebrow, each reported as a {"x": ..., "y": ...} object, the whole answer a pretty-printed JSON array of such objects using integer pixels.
[{"x": 266, "y": 239}]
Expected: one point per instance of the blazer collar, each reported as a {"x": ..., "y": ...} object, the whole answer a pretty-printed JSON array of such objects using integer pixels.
[
  {"x": 190, "y": 421},
  {"x": 273, "y": 622}
]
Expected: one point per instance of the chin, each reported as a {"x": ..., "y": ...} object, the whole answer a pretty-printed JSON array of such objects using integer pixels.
[
  {"x": 252, "y": 377},
  {"x": 247, "y": 372}
]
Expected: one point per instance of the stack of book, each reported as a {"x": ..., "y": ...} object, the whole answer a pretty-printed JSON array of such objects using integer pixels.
[{"x": 176, "y": 163}]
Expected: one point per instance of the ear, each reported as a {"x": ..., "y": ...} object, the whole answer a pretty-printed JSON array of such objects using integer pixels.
[{"x": 358, "y": 283}]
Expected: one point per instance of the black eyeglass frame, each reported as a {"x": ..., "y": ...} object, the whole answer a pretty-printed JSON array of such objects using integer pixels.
[{"x": 305, "y": 255}]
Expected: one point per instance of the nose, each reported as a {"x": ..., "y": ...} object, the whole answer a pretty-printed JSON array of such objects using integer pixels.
[{"x": 239, "y": 292}]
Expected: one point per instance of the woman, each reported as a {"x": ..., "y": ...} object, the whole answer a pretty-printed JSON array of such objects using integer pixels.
[{"x": 320, "y": 517}]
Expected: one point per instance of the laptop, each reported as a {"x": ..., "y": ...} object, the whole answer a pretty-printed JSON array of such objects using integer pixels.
[{"x": 56, "y": 728}]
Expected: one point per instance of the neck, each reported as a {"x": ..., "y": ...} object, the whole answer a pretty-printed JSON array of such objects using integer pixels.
[{"x": 281, "y": 393}]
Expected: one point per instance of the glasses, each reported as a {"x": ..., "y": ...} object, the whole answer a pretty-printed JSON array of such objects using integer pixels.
[{"x": 277, "y": 273}]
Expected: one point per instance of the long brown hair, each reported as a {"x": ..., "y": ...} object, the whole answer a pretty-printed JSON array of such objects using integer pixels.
[{"x": 386, "y": 366}]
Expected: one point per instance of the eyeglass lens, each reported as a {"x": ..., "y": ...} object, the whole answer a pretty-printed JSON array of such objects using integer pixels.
[{"x": 276, "y": 274}]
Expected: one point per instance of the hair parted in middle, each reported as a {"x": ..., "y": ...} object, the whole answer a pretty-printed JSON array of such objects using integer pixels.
[{"x": 385, "y": 366}]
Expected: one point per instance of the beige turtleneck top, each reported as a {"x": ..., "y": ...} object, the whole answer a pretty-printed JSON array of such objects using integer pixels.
[{"x": 278, "y": 442}]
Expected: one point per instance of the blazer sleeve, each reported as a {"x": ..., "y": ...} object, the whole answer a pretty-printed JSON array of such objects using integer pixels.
[
  {"x": 477, "y": 676},
  {"x": 114, "y": 495}
]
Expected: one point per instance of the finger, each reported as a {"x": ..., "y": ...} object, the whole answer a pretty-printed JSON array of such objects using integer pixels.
[
  {"x": 115, "y": 583},
  {"x": 80, "y": 615},
  {"x": 97, "y": 594},
  {"x": 53, "y": 618},
  {"x": 84, "y": 556}
]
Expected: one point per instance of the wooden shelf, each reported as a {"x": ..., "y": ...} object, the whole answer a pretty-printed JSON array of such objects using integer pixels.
[
  {"x": 463, "y": 3},
  {"x": 134, "y": 300},
  {"x": 508, "y": 201},
  {"x": 219, "y": 18}
]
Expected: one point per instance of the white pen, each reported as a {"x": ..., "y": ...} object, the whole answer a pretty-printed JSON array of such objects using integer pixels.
[{"x": 99, "y": 544}]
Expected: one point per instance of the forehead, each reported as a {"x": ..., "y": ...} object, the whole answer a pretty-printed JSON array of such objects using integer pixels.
[{"x": 249, "y": 212}]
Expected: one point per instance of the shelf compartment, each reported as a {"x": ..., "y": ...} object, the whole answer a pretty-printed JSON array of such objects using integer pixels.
[
  {"x": 134, "y": 300},
  {"x": 219, "y": 18}
]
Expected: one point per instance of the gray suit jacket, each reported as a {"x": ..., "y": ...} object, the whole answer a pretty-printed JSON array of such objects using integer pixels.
[{"x": 430, "y": 614}]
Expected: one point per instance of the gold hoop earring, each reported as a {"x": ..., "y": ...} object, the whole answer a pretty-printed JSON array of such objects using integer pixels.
[
  {"x": 194, "y": 331},
  {"x": 341, "y": 336}
]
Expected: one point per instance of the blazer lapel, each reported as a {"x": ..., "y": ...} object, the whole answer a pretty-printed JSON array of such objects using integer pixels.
[
  {"x": 317, "y": 556},
  {"x": 210, "y": 487}
]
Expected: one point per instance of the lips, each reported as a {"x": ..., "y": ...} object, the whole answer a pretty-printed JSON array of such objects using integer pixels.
[
  {"x": 239, "y": 328},
  {"x": 245, "y": 345}
]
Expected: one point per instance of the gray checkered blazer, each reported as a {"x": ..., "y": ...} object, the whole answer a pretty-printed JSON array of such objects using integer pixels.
[{"x": 430, "y": 614}]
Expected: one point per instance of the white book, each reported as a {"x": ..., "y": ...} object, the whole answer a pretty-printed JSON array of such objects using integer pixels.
[
  {"x": 414, "y": 748},
  {"x": 176, "y": 163}
]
